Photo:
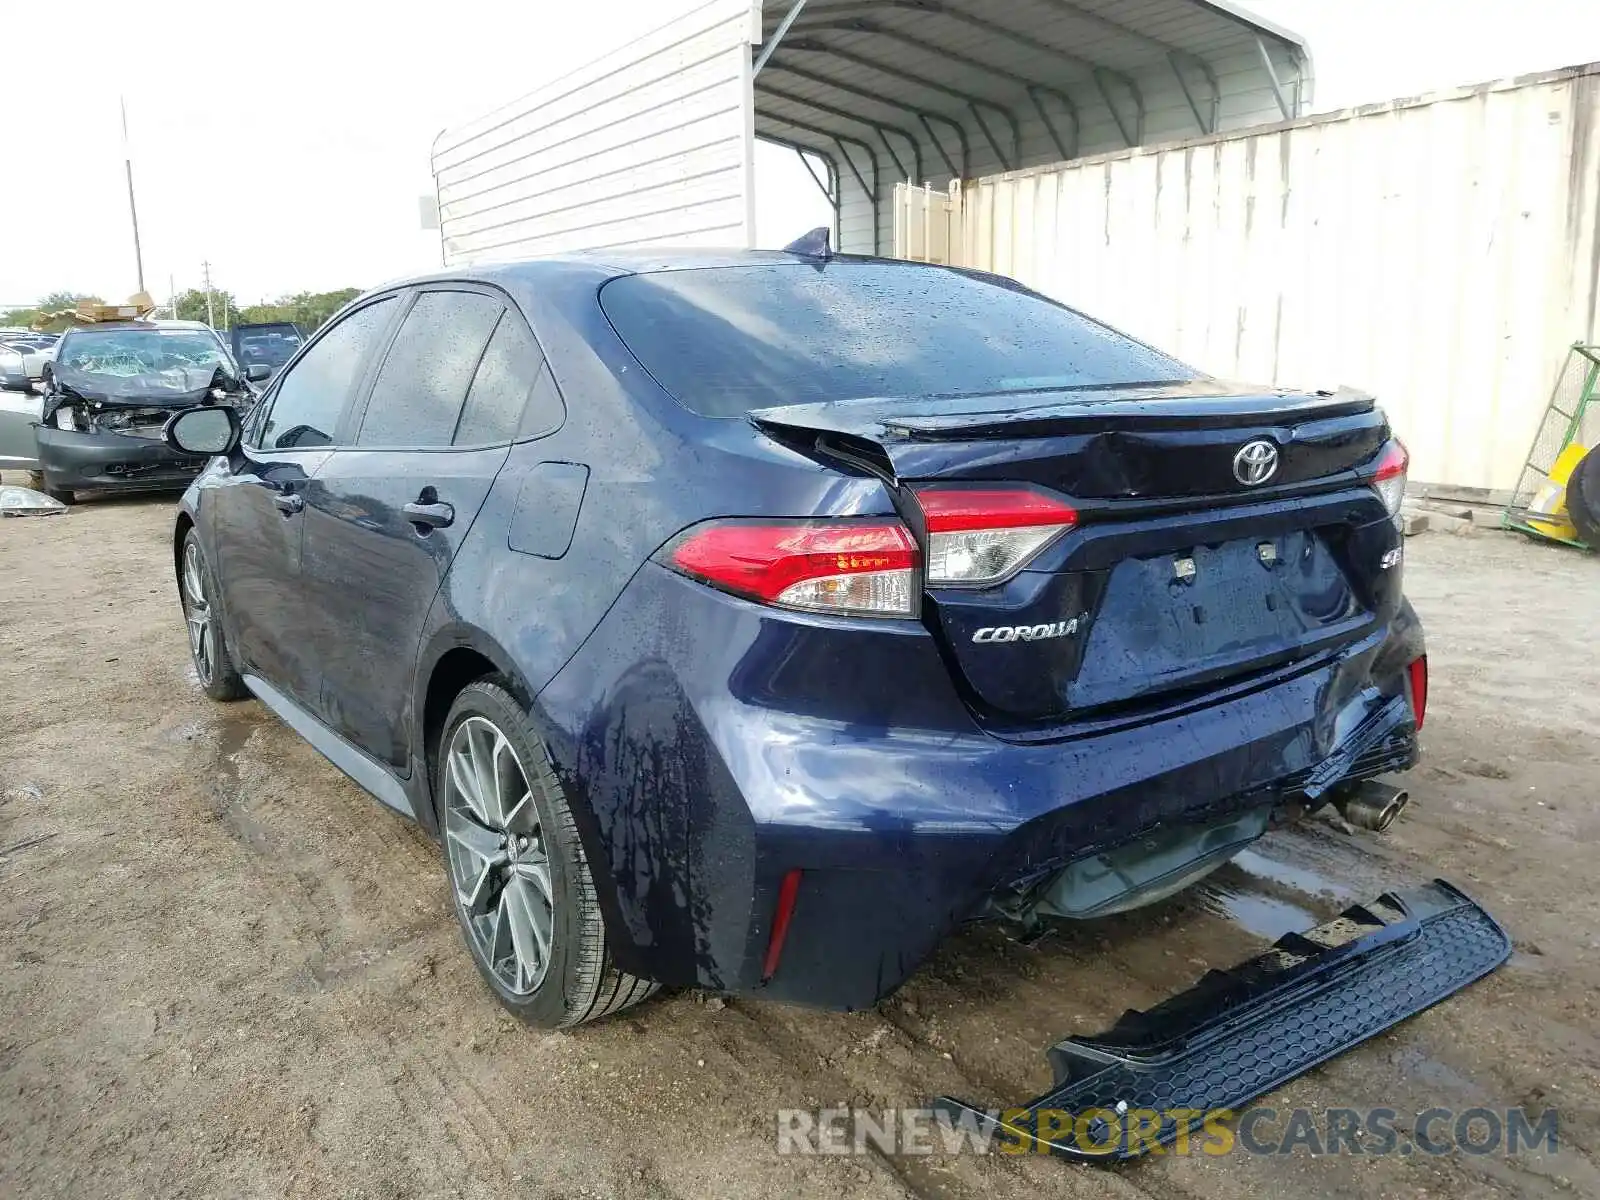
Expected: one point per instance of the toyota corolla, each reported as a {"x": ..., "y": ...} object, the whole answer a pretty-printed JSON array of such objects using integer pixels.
[{"x": 751, "y": 621}]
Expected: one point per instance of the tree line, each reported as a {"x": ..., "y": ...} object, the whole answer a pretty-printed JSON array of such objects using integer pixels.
[{"x": 306, "y": 309}]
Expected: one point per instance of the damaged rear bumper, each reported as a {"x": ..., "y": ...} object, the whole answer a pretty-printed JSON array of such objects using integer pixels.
[
  {"x": 897, "y": 815},
  {"x": 75, "y": 460},
  {"x": 1239, "y": 1033}
]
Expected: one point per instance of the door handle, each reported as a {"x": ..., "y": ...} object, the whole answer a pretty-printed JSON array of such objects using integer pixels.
[
  {"x": 429, "y": 516},
  {"x": 289, "y": 504}
]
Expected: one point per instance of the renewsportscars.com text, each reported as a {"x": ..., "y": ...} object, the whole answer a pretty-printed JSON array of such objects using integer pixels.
[{"x": 1260, "y": 1130}]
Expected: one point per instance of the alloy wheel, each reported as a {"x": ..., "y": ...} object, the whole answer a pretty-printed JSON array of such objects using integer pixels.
[
  {"x": 499, "y": 862},
  {"x": 197, "y": 612}
]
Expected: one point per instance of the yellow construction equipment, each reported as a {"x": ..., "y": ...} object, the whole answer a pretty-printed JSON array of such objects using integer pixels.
[
  {"x": 1568, "y": 430},
  {"x": 1547, "y": 512}
]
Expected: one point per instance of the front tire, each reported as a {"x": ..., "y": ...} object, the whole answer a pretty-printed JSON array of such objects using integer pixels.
[
  {"x": 208, "y": 646},
  {"x": 519, "y": 881}
]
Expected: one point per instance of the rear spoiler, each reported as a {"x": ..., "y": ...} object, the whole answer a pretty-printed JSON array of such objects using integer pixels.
[
  {"x": 978, "y": 418},
  {"x": 932, "y": 436}
]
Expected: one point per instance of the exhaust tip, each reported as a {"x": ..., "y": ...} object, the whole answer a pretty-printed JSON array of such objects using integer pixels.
[
  {"x": 1373, "y": 805},
  {"x": 1391, "y": 811}
]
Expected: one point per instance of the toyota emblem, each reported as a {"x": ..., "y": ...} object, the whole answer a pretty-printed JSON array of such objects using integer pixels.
[{"x": 1255, "y": 463}]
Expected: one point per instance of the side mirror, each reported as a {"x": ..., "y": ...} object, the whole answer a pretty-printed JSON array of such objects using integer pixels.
[
  {"x": 212, "y": 429},
  {"x": 258, "y": 372}
]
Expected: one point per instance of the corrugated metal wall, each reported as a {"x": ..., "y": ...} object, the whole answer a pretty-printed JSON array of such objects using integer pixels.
[
  {"x": 1167, "y": 116},
  {"x": 1441, "y": 252},
  {"x": 652, "y": 143}
]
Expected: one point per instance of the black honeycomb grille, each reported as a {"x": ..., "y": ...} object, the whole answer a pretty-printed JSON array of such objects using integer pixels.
[{"x": 1240, "y": 1033}]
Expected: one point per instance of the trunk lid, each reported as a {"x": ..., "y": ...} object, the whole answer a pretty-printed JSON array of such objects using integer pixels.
[
  {"x": 1163, "y": 440},
  {"x": 1178, "y": 574}
]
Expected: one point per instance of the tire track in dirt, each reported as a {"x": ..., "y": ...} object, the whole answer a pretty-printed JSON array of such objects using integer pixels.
[{"x": 887, "y": 1064}]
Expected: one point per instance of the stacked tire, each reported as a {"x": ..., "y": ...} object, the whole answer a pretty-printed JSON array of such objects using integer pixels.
[{"x": 1583, "y": 499}]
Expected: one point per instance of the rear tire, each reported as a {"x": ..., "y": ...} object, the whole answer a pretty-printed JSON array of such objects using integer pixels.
[
  {"x": 208, "y": 645},
  {"x": 519, "y": 880},
  {"x": 1583, "y": 499}
]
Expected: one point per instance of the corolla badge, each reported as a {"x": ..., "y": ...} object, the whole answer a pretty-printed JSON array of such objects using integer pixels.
[
  {"x": 1255, "y": 463},
  {"x": 1026, "y": 633}
]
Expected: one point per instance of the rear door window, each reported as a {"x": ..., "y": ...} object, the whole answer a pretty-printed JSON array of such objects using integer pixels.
[
  {"x": 501, "y": 389},
  {"x": 724, "y": 340},
  {"x": 417, "y": 397}
]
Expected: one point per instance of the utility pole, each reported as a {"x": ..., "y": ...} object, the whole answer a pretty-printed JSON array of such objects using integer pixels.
[
  {"x": 205, "y": 272},
  {"x": 133, "y": 212},
  {"x": 172, "y": 296}
]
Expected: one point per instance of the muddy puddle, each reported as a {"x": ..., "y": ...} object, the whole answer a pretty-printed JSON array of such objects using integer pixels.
[
  {"x": 1296, "y": 878},
  {"x": 226, "y": 737}
]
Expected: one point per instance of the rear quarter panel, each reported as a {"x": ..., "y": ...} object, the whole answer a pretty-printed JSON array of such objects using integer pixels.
[{"x": 652, "y": 469}]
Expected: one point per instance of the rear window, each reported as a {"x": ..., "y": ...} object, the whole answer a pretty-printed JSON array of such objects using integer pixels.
[{"x": 724, "y": 340}]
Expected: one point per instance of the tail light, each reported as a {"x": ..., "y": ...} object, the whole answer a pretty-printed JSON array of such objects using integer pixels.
[
  {"x": 847, "y": 567},
  {"x": 1390, "y": 479},
  {"x": 1418, "y": 673},
  {"x": 978, "y": 537}
]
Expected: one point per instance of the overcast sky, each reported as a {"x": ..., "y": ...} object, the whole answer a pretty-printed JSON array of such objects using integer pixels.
[{"x": 288, "y": 143}]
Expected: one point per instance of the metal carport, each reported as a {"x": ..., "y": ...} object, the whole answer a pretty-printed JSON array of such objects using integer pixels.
[
  {"x": 889, "y": 91},
  {"x": 652, "y": 143}
]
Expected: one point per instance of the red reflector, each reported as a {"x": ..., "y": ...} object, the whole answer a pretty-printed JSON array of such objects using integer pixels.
[
  {"x": 780, "y": 923},
  {"x": 952, "y": 509},
  {"x": 1396, "y": 458},
  {"x": 762, "y": 560},
  {"x": 1418, "y": 671}
]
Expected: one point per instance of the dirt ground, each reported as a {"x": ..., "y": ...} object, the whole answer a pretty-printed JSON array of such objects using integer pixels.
[{"x": 225, "y": 971}]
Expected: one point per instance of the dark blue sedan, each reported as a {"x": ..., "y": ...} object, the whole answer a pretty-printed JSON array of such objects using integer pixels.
[{"x": 750, "y": 621}]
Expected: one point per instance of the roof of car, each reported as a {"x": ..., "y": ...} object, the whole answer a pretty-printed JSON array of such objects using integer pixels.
[
  {"x": 662, "y": 259},
  {"x": 629, "y": 262},
  {"x": 531, "y": 278}
]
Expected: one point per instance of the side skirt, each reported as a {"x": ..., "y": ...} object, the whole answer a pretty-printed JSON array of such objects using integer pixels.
[{"x": 360, "y": 766}]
